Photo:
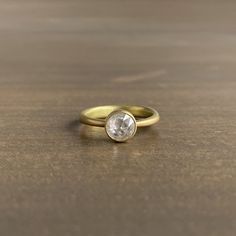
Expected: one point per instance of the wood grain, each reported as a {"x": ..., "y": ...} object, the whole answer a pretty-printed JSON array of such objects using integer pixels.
[{"x": 58, "y": 177}]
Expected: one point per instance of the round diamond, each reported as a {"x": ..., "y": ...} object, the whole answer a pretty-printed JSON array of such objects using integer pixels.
[{"x": 121, "y": 126}]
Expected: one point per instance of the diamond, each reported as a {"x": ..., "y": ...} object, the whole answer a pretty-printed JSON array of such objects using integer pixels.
[{"x": 121, "y": 126}]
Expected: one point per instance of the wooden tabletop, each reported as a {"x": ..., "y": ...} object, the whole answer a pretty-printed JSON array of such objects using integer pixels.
[{"x": 58, "y": 177}]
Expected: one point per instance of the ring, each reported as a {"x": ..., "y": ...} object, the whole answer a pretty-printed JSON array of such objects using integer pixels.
[{"x": 120, "y": 122}]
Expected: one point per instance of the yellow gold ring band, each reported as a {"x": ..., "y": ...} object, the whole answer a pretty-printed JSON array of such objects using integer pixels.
[{"x": 120, "y": 122}]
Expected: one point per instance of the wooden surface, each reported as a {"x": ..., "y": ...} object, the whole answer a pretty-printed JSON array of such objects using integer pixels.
[{"x": 60, "y": 178}]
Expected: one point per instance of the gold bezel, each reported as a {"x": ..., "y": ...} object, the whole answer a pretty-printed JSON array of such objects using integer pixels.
[{"x": 117, "y": 112}]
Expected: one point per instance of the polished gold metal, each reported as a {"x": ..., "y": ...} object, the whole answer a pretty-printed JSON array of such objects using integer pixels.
[{"x": 96, "y": 116}]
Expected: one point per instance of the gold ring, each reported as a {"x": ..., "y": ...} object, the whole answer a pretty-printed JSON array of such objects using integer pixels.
[{"x": 120, "y": 122}]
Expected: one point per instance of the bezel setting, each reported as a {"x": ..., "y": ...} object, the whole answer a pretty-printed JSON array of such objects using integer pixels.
[{"x": 120, "y": 125}]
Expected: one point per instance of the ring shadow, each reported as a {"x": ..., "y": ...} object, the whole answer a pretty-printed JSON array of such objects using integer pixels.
[{"x": 83, "y": 131}]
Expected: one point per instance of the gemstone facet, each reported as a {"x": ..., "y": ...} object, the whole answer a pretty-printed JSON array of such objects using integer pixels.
[{"x": 121, "y": 126}]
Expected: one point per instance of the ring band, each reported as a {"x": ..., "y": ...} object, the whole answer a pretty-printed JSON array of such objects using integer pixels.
[{"x": 120, "y": 122}]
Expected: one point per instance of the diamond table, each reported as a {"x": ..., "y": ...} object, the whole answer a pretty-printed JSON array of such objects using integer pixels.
[{"x": 120, "y": 126}]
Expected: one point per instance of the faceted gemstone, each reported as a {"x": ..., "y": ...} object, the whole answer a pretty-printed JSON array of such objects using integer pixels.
[{"x": 120, "y": 126}]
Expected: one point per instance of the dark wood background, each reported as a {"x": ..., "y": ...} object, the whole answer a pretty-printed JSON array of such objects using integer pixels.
[{"x": 60, "y": 178}]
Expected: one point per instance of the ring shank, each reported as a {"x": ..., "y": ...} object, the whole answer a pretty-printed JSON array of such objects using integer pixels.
[{"x": 95, "y": 116}]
